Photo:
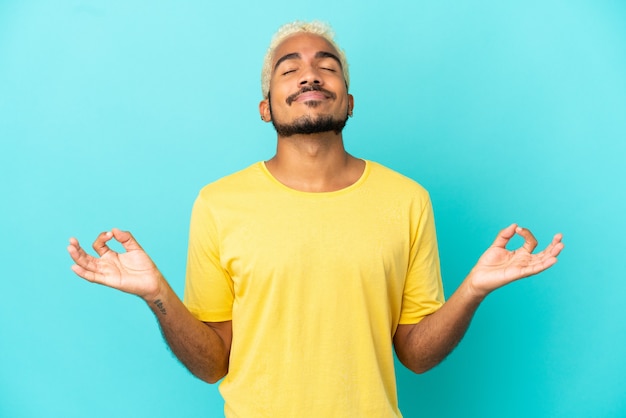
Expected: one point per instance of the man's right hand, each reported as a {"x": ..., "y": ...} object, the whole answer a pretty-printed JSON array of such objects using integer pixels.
[
  {"x": 132, "y": 272},
  {"x": 204, "y": 348}
]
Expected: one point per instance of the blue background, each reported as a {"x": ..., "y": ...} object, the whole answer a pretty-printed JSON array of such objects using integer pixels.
[{"x": 115, "y": 113}]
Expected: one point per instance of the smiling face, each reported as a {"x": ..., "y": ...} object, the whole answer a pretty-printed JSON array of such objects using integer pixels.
[{"x": 307, "y": 87}]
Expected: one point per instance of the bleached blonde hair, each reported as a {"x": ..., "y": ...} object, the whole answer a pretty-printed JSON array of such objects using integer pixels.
[{"x": 314, "y": 27}]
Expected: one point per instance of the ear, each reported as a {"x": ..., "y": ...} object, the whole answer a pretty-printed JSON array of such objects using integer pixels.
[
  {"x": 350, "y": 104},
  {"x": 264, "y": 110}
]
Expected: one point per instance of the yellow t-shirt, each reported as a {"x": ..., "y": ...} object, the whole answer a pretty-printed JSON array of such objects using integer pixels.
[{"x": 315, "y": 284}]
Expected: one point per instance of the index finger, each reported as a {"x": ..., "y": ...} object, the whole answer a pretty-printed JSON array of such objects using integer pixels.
[
  {"x": 100, "y": 244},
  {"x": 530, "y": 242}
]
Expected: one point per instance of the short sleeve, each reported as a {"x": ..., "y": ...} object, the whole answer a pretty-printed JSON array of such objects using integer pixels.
[
  {"x": 209, "y": 290},
  {"x": 423, "y": 290}
]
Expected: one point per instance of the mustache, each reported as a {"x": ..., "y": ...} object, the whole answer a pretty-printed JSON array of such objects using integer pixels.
[{"x": 308, "y": 88}]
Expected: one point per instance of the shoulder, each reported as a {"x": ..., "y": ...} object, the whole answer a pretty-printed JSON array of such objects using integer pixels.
[
  {"x": 239, "y": 181},
  {"x": 396, "y": 182}
]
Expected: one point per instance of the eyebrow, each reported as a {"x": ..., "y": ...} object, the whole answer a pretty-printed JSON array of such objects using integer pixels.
[
  {"x": 296, "y": 55},
  {"x": 326, "y": 54}
]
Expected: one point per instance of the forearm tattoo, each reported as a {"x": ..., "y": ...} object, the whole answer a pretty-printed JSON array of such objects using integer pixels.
[{"x": 159, "y": 305}]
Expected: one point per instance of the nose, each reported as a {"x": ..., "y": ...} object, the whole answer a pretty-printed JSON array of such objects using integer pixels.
[{"x": 310, "y": 76}]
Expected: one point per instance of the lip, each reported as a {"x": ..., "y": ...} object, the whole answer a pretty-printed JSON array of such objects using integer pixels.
[{"x": 311, "y": 95}]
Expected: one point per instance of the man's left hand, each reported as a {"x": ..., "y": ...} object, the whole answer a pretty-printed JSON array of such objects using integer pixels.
[{"x": 498, "y": 266}]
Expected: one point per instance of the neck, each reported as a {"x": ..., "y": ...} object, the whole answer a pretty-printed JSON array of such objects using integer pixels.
[{"x": 314, "y": 163}]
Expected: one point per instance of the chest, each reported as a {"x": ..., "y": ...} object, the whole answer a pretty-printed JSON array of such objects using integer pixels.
[{"x": 304, "y": 245}]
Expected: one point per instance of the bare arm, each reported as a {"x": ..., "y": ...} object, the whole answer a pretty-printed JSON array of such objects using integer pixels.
[
  {"x": 203, "y": 348},
  {"x": 423, "y": 345}
]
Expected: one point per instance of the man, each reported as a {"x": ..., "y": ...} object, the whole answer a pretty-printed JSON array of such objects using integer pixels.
[{"x": 307, "y": 270}]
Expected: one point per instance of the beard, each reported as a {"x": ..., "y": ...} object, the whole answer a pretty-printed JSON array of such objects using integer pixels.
[{"x": 307, "y": 125}]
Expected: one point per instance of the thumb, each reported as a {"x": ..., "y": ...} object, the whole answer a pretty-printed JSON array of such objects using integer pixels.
[
  {"x": 126, "y": 239},
  {"x": 504, "y": 236}
]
